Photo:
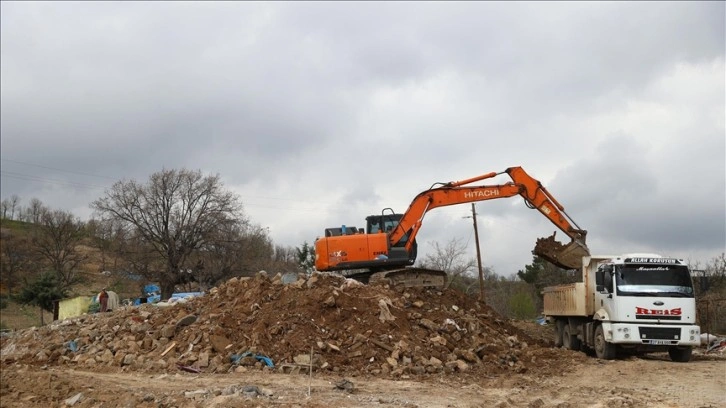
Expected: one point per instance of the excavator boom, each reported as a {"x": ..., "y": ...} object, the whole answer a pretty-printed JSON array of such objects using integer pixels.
[{"x": 534, "y": 194}]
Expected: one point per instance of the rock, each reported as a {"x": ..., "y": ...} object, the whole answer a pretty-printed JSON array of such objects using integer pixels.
[
  {"x": 302, "y": 359},
  {"x": 41, "y": 356},
  {"x": 433, "y": 361},
  {"x": 345, "y": 385},
  {"x": 438, "y": 340},
  {"x": 168, "y": 331},
  {"x": 197, "y": 393},
  {"x": 428, "y": 324},
  {"x": 129, "y": 359},
  {"x": 250, "y": 391},
  {"x": 74, "y": 399},
  {"x": 469, "y": 356},
  {"x": 219, "y": 343},
  {"x": 229, "y": 390},
  {"x": 312, "y": 280},
  {"x": 203, "y": 360},
  {"x": 107, "y": 356},
  {"x": 186, "y": 321},
  {"x": 385, "y": 314}
]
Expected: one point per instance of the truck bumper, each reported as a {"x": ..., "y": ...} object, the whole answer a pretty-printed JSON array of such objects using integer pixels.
[{"x": 652, "y": 335}]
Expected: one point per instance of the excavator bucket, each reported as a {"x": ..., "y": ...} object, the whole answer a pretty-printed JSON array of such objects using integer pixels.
[{"x": 564, "y": 256}]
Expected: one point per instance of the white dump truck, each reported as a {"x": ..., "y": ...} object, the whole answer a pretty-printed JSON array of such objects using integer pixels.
[{"x": 637, "y": 302}]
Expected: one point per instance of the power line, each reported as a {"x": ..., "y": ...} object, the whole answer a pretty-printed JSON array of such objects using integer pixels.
[
  {"x": 56, "y": 169},
  {"x": 27, "y": 177}
]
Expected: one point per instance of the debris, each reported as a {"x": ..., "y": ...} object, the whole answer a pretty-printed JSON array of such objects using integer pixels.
[
  {"x": 189, "y": 369},
  {"x": 370, "y": 330},
  {"x": 236, "y": 358},
  {"x": 345, "y": 385},
  {"x": 250, "y": 391},
  {"x": 74, "y": 399},
  {"x": 186, "y": 321},
  {"x": 171, "y": 346}
]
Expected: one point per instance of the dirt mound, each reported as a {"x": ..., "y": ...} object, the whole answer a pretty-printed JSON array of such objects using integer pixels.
[{"x": 261, "y": 323}]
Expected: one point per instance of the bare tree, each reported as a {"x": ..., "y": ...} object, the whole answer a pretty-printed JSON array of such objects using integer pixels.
[
  {"x": 240, "y": 250},
  {"x": 16, "y": 257},
  {"x": 107, "y": 237},
  {"x": 35, "y": 211},
  {"x": 175, "y": 213},
  {"x": 56, "y": 239},
  {"x": 14, "y": 205},
  {"x": 4, "y": 208},
  {"x": 450, "y": 258}
]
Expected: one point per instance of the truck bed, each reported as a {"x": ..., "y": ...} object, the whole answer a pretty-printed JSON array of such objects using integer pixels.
[{"x": 566, "y": 300}]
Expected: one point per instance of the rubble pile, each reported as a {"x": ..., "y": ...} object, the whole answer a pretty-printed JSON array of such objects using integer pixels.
[{"x": 323, "y": 322}]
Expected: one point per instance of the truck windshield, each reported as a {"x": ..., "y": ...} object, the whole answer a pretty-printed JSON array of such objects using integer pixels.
[{"x": 653, "y": 280}]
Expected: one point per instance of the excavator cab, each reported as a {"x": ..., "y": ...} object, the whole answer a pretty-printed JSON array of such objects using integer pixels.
[{"x": 386, "y": 223}]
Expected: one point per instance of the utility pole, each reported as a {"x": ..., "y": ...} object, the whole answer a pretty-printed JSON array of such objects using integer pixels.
[{"x": 478, "y": 254}]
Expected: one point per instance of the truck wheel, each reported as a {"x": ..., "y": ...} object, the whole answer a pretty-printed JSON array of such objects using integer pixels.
[
  {"x": 603, "y": 349},
  {"x": 680, "y": 355},
  {"x": 569, "y": 341},
  {"x": 559, "y": 327}
]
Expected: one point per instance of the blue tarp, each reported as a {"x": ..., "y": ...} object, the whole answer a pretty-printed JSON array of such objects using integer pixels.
[
  {"x": 157, "y": 298},
  {"x": 235, "y": 358}
]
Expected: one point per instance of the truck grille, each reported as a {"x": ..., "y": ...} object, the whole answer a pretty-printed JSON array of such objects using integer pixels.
[{"x": 659, "y": 335}]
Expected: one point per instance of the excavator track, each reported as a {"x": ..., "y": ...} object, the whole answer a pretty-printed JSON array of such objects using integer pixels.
[{"x": 410, "y": 277}]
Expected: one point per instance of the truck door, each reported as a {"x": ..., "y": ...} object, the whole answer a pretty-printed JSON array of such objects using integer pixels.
[{"x": 605, "y": 293}]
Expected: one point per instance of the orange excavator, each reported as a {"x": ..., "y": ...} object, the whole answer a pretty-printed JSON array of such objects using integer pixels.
[{"x": 386, "y": 250}]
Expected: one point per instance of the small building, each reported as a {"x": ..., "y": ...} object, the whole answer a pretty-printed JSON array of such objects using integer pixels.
[{"x": 73, "y": 307}]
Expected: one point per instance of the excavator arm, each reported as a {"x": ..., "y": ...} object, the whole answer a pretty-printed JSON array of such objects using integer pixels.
[{"x": 535, "y": 196}]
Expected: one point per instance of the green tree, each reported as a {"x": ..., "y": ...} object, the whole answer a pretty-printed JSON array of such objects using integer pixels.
[
  {"x": 43, "y": 292},
  {"x": 306, "y": 257},
  {"x": 522, "y": 306},
  {"x": 541, "y": 273}
]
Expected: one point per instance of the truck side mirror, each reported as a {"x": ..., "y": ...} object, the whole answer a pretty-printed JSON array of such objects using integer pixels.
[{"x": 600, "y": 281}]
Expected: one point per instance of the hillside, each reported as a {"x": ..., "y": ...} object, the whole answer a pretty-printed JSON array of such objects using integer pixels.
[{"x": 91, "y": 279}]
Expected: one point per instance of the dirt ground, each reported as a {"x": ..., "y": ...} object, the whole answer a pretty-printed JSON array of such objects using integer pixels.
[
  {"x": 369, "y": 346},
  {"x": 633, "y": 382}
]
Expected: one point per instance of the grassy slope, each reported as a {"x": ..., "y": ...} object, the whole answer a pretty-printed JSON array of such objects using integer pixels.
[{"x": 17, "y": 316}]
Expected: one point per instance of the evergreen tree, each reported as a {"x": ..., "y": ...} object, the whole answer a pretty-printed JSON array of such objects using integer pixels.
[{"x": 43, "y": 292}]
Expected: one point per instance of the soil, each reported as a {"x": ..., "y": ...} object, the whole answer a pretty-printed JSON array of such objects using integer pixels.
[
  {"x": 634, "y": 382},
  {"x": 249, "y": 342}
]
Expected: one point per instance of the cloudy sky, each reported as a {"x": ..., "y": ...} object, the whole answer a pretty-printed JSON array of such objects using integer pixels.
[{"x": 318, "y": 114}]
